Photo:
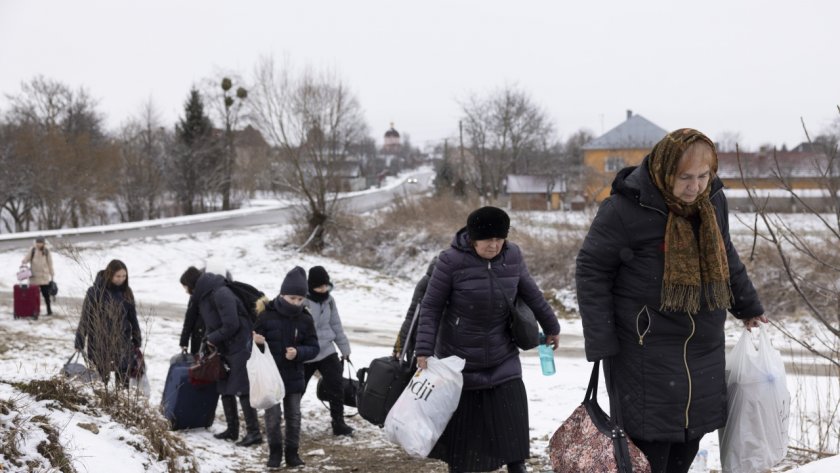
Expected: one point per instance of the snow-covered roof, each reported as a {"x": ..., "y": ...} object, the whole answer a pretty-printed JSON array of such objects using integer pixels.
[
  {"x": 637, "y": 132},
  {"x": 527, "y": 184}
]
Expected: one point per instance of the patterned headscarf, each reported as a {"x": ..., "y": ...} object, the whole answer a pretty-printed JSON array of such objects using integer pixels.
[{"x": 689, "y": 268}]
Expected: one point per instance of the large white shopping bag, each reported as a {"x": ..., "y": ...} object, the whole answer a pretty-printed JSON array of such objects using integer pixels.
[
  {"x": 755, "y": 437},
  {"x": 422, "y": 411},
  {"x": 264, "y": 379}
]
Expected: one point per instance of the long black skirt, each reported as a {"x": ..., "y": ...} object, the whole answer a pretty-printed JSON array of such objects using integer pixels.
[{"x": 488, "y": 429}]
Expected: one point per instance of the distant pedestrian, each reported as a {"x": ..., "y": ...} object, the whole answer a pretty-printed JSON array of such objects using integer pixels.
[
  {"x": 39, "y": 258},
  {"x": 108, "y": 325},
  {"x": 322, "y": 306},
  {"x": 287, "y": 327},
  {"x": 228, "y": 331}
]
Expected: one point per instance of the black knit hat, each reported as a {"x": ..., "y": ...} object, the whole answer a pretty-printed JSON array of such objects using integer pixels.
[
  {"x": 488, "y": 222},
  {"x": 295, "y": 283},
  {"x": 318, "y": 276},
  {"x": 190, "y": 277}
]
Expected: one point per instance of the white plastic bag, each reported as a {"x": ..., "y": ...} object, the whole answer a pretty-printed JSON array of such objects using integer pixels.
[
  {"x": 266, "y": 385},
  {"x": 422, "y": 411},
  {"x": 141, "y": 385},
  {"x": 755, "y": 437},
  {"x": 24, "y": 273}
]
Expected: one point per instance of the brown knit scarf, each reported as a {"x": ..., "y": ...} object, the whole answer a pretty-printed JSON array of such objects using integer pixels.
[{"x": 689, "y": 268}]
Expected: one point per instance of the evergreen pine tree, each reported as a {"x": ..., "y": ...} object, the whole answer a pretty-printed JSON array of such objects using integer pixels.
[{"x": 196, "y": 162}]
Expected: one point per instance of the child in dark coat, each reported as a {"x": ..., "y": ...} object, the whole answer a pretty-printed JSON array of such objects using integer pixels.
[{"x": 287, "y": 327}]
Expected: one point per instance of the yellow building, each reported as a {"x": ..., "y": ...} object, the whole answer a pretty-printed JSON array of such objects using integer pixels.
[{"x": 625, "y": 145}]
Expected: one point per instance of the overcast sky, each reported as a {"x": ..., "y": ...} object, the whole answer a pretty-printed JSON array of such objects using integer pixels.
[{"x": 751, "y": 67}]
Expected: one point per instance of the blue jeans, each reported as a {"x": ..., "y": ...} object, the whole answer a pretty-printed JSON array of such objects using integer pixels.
[{"x": 291, "y": 406}]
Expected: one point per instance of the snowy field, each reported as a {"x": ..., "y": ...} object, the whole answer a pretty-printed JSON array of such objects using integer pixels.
[{"x": 371, "y": 305}]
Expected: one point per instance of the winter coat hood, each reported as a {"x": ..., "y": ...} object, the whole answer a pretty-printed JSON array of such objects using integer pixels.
[
  {"x": 286, "y": 325},
  {"x": 461, "y": 242},
  {"x": 206, "y": 283}
]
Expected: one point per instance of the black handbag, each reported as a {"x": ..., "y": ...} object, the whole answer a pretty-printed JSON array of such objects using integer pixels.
[
  {"x": 592, "y": 442},
  {"x": 52, "y": 289},
  {"x": 523, "y": 324},
  {"x": 381, "y": 383},
  {"x": 350, "y": 387}
]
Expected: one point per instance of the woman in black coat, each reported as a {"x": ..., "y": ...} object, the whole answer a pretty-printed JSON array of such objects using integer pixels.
[
  {"x": 655, "y": 276},
  {"x": 465, "y": 313},
  {"x": 228, "y": 329},
  {"x": 192, "y": 333},
  {"x": 419, "y": 290},
  {"x": 109, "y": 324}
]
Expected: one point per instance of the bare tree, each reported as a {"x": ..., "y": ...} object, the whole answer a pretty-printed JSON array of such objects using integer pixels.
[
  {"x": 726, "y": 141},
  {"x": 59, "y": 133},
  {"x": 506, "y": 130},
  {"x": 228, "y": 107},
  {"x": 809, "y": 266},
  {"x": 17, "y": 197},
  {"x": 142, "y": 166},
  {"x": 314, "y": 120}
]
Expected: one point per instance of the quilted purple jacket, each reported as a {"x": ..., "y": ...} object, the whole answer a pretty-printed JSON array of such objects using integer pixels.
[{"x": 464, "y": 312}]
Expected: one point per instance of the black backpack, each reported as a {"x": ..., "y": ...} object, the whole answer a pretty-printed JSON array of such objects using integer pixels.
[{"x": 249, "y": 295}]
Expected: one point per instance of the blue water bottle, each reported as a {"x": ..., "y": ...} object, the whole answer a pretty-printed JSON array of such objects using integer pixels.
[{"x": 546, "y": 356}]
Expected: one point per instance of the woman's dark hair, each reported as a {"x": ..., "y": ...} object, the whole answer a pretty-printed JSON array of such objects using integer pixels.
[
  {"x": 113, "y": 267},
  {"x": 190, "y": 277}
]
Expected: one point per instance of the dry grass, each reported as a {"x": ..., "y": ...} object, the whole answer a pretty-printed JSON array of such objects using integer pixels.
[
  {"x": 401, "y": 239},
  {"x": 11, "y": 433},
  {"x": 160, "y": 441},
  {"x": 55, "y": 389},
  {"x": 130, "y": 410},
  {"x": 51, "y": 448}
]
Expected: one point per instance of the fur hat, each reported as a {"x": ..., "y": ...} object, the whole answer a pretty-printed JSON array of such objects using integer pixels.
[
  {"x": 488, "y": 222},
  {"x": 318, "y": 276},
  {"x": 190, "y": 277},
  {"x": 294, "y": 283}
]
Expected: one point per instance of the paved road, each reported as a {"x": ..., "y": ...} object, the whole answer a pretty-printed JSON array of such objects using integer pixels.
[{"x": 359, "y": 203}]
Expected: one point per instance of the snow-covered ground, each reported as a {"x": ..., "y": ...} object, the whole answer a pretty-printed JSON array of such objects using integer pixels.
[{"x": 372, "y": 305}]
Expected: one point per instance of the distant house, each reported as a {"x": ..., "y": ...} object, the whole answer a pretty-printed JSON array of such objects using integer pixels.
[
  {"x": 252, "y": 160},
  {"x": 536, "y": 192},
  {"x": 348, "y": 176},
  {"x": 625, "y": 145},
  {"x": 805, "y": 170}
]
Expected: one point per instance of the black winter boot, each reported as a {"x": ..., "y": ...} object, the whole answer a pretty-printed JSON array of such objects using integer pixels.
[
  {"x": 292, "y": 458},
  {"x": 252, "y": 424},
  {"x": 275, "y": 456},
  {"x": 232, "y": 418},
  {"x": 341, "y": 428},
  {"x": 517, "y": 467}
]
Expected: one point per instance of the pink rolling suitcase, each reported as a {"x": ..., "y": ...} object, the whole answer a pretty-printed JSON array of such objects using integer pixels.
[{"x": 27, "y": 301}]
